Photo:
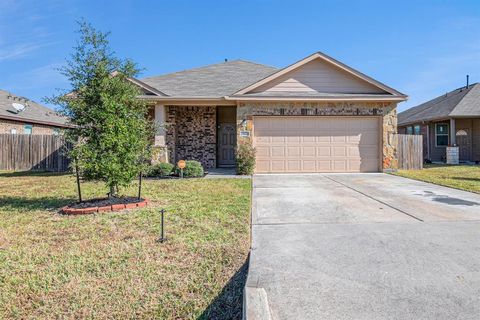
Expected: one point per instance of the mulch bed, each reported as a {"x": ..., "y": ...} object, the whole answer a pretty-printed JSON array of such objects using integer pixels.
[{"x": 104, "y": 205}]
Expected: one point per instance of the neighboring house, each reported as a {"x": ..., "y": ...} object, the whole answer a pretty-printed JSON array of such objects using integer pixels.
[
  {"x": 316, "y": 115},
  {"x": 450, "y": 119},
  {"x": 22, "y": 116}
]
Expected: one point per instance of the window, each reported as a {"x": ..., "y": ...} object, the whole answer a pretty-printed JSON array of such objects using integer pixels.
[
  {"x": 27, "y": 129},
  {"x": 409, "y": 130},
  {"x": 441, "y": 134},
  {"x": 13, "y": 131},
  {"x": 56, "y": 131},
  {"x": 416, "y": 130}
]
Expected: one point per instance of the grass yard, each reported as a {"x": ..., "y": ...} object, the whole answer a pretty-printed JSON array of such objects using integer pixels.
[
  {"x": 459, "y": 177},
  {"x": 110, "y": 265}
]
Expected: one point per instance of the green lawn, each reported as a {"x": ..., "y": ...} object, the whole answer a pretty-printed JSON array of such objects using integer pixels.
[
  {"x": 110, "y": 265},
  {"x": 460, "y": 177}
]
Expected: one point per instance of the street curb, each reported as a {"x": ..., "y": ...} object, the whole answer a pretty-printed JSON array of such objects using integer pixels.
[{"x": 255, "y": 304}]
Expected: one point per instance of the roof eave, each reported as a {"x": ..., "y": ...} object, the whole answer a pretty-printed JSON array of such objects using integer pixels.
[
  {"x": 27, "y": 120},
  {"x": 326, "y": 98}
]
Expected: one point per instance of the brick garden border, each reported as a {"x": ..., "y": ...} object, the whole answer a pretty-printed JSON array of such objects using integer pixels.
[{"x": 113, "y": 207}]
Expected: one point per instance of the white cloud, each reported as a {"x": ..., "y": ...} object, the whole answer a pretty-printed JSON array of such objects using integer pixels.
[
  {"x": 19, "y": 50},
  {"x": 23, "y": 27}
]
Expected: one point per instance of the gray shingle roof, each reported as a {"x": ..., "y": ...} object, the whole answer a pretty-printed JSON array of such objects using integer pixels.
[
  {"x": 460, "y": 102},
  {"x": 33, "y": 112},
  {"x": 216, "y": 80}
]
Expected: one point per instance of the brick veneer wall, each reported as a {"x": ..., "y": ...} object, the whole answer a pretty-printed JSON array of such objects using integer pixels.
[
  {"x": 385, "y": 110},
  {"x": 7, "y": 125},
  {"x": 192, "y": 134}
]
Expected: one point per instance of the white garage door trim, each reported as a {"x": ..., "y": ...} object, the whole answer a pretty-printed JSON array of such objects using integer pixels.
[{"x": 317, "y": 143}]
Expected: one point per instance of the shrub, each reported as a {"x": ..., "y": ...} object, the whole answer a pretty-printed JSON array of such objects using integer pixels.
[
  {"x": 192, "y": 169},
  {"x": 245, "y": 159},
  {"x": 161, "y": 169}
]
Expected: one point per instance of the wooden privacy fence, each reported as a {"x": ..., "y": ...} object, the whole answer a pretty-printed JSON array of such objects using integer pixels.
[
  {"x": 410, "y": 152},
  {"x": 21, "y": 152}
]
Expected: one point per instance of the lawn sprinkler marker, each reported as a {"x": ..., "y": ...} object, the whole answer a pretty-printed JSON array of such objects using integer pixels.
[{"x": 162, "y": 233}]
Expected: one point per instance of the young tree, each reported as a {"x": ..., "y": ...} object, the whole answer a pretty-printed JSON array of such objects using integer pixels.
[{"x": 112, "y": 131}]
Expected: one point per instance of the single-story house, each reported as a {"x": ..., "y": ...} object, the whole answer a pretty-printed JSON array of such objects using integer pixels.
[
  {"x": 316, "y": 115},
  {"x": 452, "y": 119},
  {"x": 20, "y": 115}
]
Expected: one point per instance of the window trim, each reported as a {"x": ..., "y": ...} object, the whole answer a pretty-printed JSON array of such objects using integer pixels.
[
  {"x": 419, "y": 133},
  {"x": 442, "y": 134},
  {"x": 25, "y": 127}
]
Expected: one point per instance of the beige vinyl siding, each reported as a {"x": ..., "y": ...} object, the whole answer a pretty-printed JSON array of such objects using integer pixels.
[
  {"x": 319, "y": 76},
  {"x": 316, "y": 144}
]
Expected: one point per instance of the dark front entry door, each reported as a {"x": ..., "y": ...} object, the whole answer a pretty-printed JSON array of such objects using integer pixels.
[
  {"x": 463, "y": 141},
  {"x": 226, "y": 144}
]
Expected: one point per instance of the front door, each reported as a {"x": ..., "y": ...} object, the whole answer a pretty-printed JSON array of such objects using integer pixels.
[
  {"x": 226, "y": 144},
  {"x": 463, "y": 142}
]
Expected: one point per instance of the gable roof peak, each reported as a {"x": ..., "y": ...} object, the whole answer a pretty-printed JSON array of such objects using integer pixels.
[{"x": 330, "y": 60}]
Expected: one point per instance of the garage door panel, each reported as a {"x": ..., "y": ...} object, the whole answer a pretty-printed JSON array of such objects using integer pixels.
[
  {"x": 294, "y": 165},
  {"x": 309, "y": 139},
  {"x": 354, "y": 165},
  {"x": 263, "y": 152},
  {"x": 339, "y": 151},
  {"x": 354, "y": 138},
  {"x": 339, "y": 138},
  {"x": 324, "y": 137},
  {"x": 294, "y": 137},
  {"x": 316, "y": 144},
  {"x": 340, "y": 165},
  {"x": 308, "y": 152},
  {"x": 294, "y": 152},
  {"x": 324, "y": 151},
  {"x": 324, "y": 165},
  {"x": 261, "y": 139},
  {"x": 295, "y": 123},
  {"x": 279, "y": 123},
  {"x": 369, "y": 138},
  {"x": 262, "y": 165},
  {"x": 277, "y": 138},
  {"x": 278, "y": 165},
  {"x": 368, "y": 152},
  {"x": 309, "y": 166},
  {"x": 277, "y": 151},
  {"x": 369, "y": 165}
]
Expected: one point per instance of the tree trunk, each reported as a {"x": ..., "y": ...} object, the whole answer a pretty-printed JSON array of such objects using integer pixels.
[{"x": 112, "y": 192}]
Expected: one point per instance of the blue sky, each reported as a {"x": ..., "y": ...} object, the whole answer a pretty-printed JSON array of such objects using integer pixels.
[{"x": 422, "y": 48}]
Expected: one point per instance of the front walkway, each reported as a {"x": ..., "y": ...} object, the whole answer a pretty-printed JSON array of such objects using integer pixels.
[
  {"x": 363, "y": 246},
  {"x": 224, "y": 173}
]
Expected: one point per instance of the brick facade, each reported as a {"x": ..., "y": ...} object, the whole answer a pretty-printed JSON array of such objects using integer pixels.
[
  {"x": 246, "y": 111},
  {"x": 6, "y": 126},
  {"x": 192, "y": 134}
]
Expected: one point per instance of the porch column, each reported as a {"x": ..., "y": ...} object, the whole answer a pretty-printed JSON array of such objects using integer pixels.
[
  {"x": 453, "y": 141},
  {"x": 159, "y": 150},
  {"x": 160, "y": 125}
]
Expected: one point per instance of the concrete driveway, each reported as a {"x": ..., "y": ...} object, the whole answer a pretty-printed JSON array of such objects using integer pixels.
[{"x": 362, "y": 246}]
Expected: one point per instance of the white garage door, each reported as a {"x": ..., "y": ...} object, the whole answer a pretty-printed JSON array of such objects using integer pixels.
[{"x": 316, "y": 144}]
